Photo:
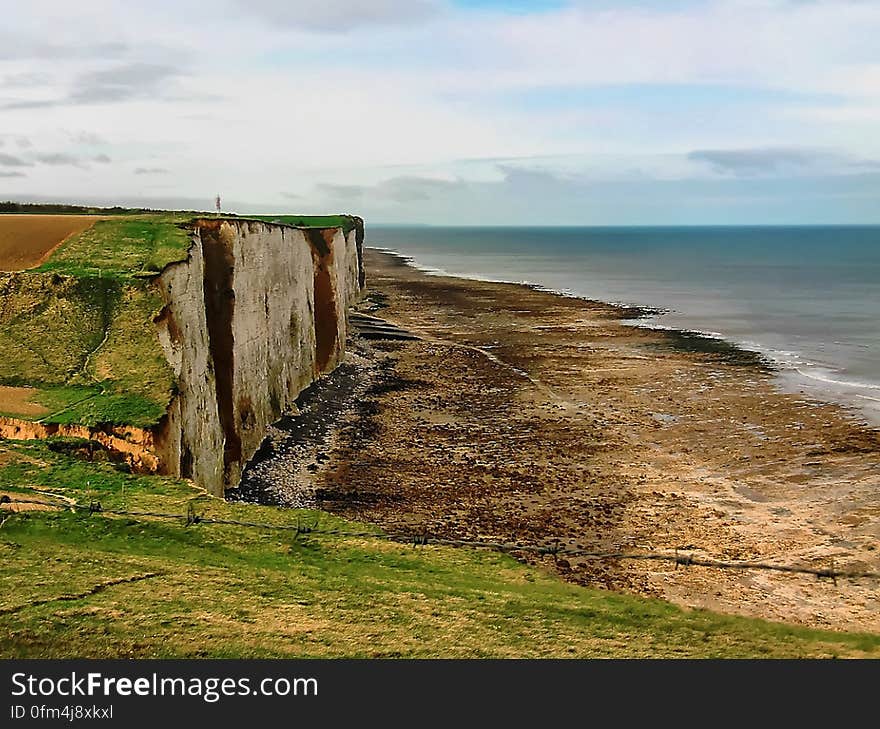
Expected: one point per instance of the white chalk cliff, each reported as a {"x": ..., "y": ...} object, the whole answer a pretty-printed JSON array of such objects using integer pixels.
[{"x": 254, "y": 314}]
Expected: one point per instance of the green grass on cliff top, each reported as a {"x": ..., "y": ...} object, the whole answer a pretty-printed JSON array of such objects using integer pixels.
[
  {"x": 123, "y": 247},
  {"x": 142, "y": 245},
  {"x": 346, "y": 222},
  {"x": 229, "y": 591}
]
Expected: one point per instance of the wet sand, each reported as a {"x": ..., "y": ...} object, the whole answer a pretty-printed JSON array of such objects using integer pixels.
[{"x": 521, "y": 414}]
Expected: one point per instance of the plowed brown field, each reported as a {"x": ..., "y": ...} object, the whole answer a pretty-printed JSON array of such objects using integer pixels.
[{"x": 28, "y": 240}]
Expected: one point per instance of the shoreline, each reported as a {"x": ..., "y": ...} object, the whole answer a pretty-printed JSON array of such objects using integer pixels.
[
  {"x": 639, "y": 310},
  {"x": 790, "y": 378},
  {"x": 519, "y": 414}
]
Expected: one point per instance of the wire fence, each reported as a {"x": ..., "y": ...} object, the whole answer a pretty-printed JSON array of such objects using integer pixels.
[{"x": 555, "y": 549}]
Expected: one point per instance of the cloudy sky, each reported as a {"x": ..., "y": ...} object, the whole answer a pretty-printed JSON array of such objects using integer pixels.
[{"x": 450, "y": 111}]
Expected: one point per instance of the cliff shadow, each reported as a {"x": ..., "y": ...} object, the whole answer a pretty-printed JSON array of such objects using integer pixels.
[
  {"x": 220, "y": 309},
  {"x": 327, "y": 335}
]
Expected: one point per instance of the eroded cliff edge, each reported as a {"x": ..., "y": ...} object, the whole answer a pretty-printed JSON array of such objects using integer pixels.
[{"x": 256, "y": 313}]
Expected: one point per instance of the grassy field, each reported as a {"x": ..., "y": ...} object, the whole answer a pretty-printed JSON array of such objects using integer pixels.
[
  {"x": 122, "y": 248},
  {"x": 74, "y": 584}
]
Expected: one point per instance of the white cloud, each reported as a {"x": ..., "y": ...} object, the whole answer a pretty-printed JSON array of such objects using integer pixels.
[
  {"x": 151, "y": 171},
  {"x": 778, "y": 161},
  {"x": 339, "y": 15},
  {"x": 9, "y": 160}
]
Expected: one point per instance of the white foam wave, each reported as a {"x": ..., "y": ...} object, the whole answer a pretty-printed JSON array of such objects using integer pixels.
[{"x": 832, "y": 381}]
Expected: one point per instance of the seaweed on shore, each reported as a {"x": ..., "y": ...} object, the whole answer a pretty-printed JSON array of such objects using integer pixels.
[{"x": 720, "y": 350}]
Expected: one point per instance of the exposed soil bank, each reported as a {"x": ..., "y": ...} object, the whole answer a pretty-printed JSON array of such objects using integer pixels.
[
  {"x": 525, "y": 415},
  {"x": 134, "y": 446}
]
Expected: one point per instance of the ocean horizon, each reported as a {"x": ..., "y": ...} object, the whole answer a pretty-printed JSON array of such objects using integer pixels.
[{"x": 807, "y": 297}]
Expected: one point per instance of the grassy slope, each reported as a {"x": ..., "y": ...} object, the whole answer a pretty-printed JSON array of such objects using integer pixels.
[
  {"x": 79, "y": 327},
  {"x": 229, "y": 591},
  {"x": 87, "y": 345}
]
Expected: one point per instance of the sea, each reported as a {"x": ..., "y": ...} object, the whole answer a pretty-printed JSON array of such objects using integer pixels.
[{"x": 807, "y": 298}]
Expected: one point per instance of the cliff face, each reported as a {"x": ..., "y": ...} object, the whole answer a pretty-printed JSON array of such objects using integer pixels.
[{"x": 250, "y": 319}]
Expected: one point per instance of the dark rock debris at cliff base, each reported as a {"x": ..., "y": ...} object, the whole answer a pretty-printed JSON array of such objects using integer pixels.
[{"x": 284, "y": 471}]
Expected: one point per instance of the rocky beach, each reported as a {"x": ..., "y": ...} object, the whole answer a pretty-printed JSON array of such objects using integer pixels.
[{"x": 507, "y": 413}]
